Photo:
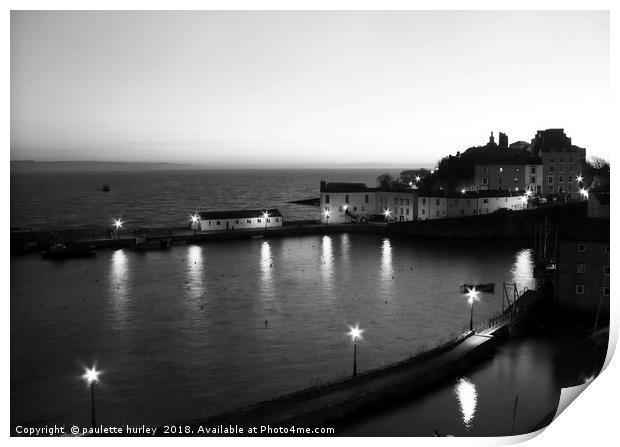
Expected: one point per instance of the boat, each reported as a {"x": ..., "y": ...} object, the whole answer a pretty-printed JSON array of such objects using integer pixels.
[
  {"x": 59, "y": 250},
  {"x": 484, "y": 288},
  {"x": 105, "y": 188}
]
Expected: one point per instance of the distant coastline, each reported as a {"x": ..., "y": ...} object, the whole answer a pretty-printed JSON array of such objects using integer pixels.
[{"x": 95, "y": 166}]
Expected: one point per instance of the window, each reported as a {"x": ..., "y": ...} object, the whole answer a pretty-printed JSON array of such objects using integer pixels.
[
  {"x": 401, "y": 211},
  {"x": 346, "y": 198},
  {"x": 606, "y": 270},
  {"x": 580, "y": 289},
  {"x": 561, "y": 179},
  {"x": 423, "y": 211},
  {"x": 278, "y": 219},
  {"x": 217, "y": 223},
  {"x": 395, "y": 201},
  {"x": 515, "y": 179},
  {"x": 437, "y": 202},
  {"x": 423, "y": 201},
  {"x": 485, "y": 169},
  {"x": 407, "y": 202},
  {"x": 437, "y": 213},
  {"x": 237, "y": 222},
  {"x": 268, "y": 220},
  {"x": 581, "y": 268},
  {"x": 485, "y": 200},
  {"x": 581, "y": 247},
  {"x": 339, "y": 208},
  {"x": 354, "y": 208},
  {"x": 570, "y": 179},
  {"x": 402, "y": 201},
  {"x": 501, "y": 170},
  {"x": 605, "y": 291},
  {"x": 550, "y": 179},
  {"x": 326, "y": 198},
  {"x": 500, "y": 181},
  {"x": 485, "y": 181},
  {"x": 258, "y": 220},
  {"x": 209, "y": 223},
  {"x": 533, "y": 180},
  {"x": 533, "y": 170},
  {"x": 366, "y": 198},
  {"x": 551, "y": 160},
  {"x": 407, "y": 211},
  {"x": 551, "y": 169}
]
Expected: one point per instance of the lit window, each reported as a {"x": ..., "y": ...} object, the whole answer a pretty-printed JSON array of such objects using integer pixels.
[
  {"x": 501, "y": 170},
  {"x": 580, "y": 289}
]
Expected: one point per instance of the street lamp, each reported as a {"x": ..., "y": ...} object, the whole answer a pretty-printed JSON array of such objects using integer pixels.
[
  {"x": 265, "y": 216},
  {"x": 387, "y": 213},
  {"x": 91, "y": 377},
  {"x": 472, "y": 295},
  {"x": 417, "y": 178},
  {"x": 584, "y": 193},
  {"x": 528, "y": 193},
  {"x": 463, "y": 191},
  {"x": 579, "y": 179},
  {"x": 118, "y": 225},
  {"x": 326, "y": 214},
  {"x": 194, "y": 220},
  {"x": 355, "y": 333}
]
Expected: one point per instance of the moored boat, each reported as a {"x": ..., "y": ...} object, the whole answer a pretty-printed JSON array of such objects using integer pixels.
[{"x": 62, "y": 251}]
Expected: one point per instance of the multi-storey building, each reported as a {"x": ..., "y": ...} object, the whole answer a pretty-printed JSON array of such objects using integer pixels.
[
  {"x": 346, "y": 202},
  {"x": 514, "y": 175}
]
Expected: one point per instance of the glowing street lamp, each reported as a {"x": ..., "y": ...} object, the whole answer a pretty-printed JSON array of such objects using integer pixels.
[
  {"x": 417, "y": 178},
  {"x": 387, "y": 213},
  {"x": 463, "y": 191},
  {"x": 528, "y": 193},
  {"x": 579, "y": 179},
  {"x": 584, "y": 193},
  {"x": 524, "y": 199},
  {"x": 265, "y": 216},
  {"x": 472, "y": 297},
  {"x": 194, "y": 222},
  {"x": 118, "y": 225},
  {"x": 91, "y": 377},
  {"x": 326, "y": 214},
  {"x": 355, "y": 333}
]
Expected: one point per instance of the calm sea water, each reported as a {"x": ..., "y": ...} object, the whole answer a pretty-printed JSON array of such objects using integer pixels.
[
  {"x": 201, "y": 329},
  {"x": 163, "y": 198}
]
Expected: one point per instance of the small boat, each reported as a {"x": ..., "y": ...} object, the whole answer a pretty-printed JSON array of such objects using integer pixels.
[
  {"x": 62, "y": 251},
  {"x": 105, "y": 188},
  {"x": 484, "y": 288}
]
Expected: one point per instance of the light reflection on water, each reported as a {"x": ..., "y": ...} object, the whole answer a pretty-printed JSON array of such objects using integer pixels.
[
  {"x": 119, "y": 285},
  {"x": 327, "y": 262},
  {"x": 522, "y": 269},
  {"x": 195, "y": 272},
  {"x": 467, "y": 397}
]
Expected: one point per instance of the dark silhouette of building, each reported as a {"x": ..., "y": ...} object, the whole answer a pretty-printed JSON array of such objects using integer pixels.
[{"x": 503, "y": 141}]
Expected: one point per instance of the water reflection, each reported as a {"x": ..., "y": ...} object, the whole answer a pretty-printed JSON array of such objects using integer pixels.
[
  {"x": 467, "y": 395},
  {"x": 327, "y": 260},
  {"x": 194, "y": 271},
  {"x": 119, "y": 283},
  {"x": 523, "y": 268},
  {"x": 386, "y": 260},
  {"x": 345, "y": 247},
  {"x": 266, "y": 268}
]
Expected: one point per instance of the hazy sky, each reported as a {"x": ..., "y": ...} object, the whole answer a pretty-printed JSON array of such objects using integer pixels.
[{"x": 301, "y": 88}]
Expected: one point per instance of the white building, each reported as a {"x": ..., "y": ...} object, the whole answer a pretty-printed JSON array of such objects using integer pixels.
[
  {"x": 492, "y": 201},
  {"x": 240, "y": 220},
  {"x": 400, "y": 205},
  {"x": 346, "y": 202},
  {"x": 463, "y": 204},
  {"x": 432, "y": 205}
]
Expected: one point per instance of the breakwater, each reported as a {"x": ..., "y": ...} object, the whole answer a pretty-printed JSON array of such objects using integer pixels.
[{"x": 500, "y": 225}]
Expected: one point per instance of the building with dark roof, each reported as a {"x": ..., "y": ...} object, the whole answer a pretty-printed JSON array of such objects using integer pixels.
[{"x": 240, "y": 219}]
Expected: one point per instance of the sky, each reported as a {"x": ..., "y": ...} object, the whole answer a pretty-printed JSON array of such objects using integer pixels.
[{"x": 302, "y": 88}]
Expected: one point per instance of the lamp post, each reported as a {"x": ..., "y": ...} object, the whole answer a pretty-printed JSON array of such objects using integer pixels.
[
  {"x": 194, "y": 223},
  {"x": 472, "y": 298},
  {"x": 265, "y": 216},
  {"x": 118, "y": 225},
  {"x": 326, "y": 214},
  {"x": 584, "y": 193},
  {"x": 91, "y": 377},
  {"x": 355, "y": 333},
  {"x": 387, "y": 213}
]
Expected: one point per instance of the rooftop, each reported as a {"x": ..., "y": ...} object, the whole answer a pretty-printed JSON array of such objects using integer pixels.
[{"x": 238, "y": 214}]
